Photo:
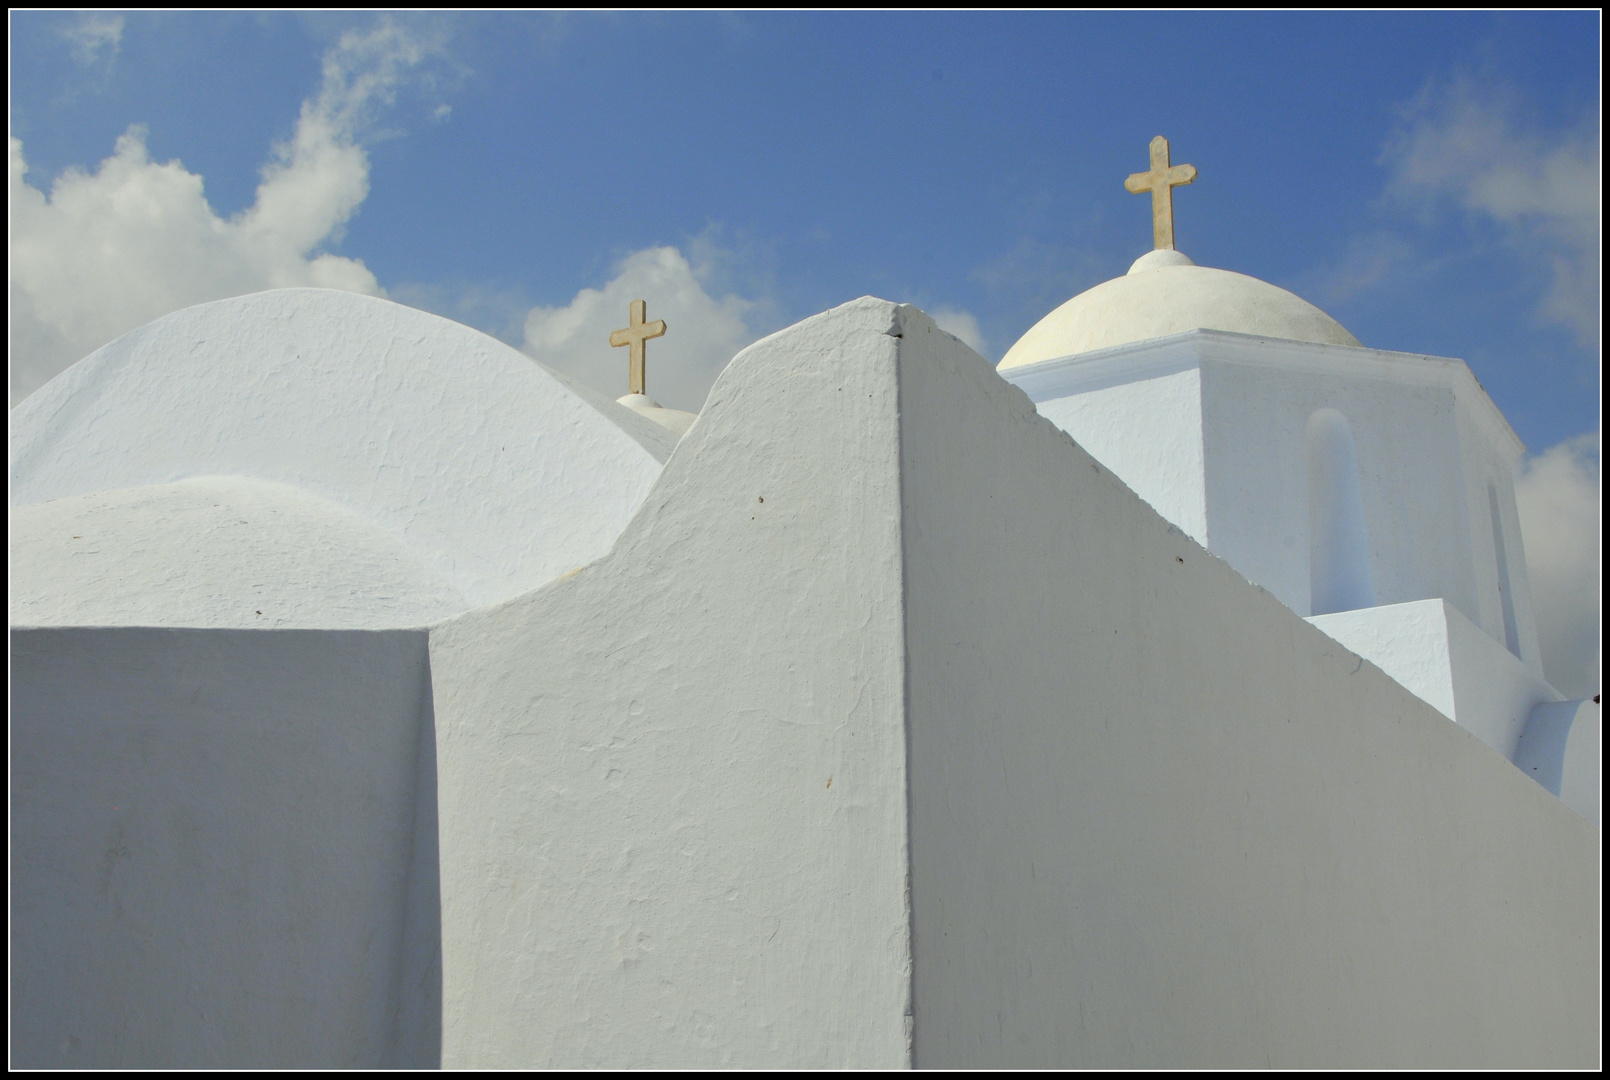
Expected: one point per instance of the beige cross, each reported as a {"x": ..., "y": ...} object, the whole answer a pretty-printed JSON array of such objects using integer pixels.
[
  {"x": 637, "y": 335},
  {"x": 1161, "y": 180}
]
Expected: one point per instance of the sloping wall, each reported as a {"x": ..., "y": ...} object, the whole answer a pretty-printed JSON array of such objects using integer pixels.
[
  {"x": 1158, "y": 820},
  {"x": 216, "y": 859},
  {"x": 673, "y": 783}
]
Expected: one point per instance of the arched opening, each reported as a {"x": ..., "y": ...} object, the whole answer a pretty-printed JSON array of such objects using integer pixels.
[
  {"x": 1512, "y": 638},
  {"x": 1338, "y": 541}
]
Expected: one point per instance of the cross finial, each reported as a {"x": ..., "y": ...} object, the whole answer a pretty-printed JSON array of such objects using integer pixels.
[
  {"x": 636, "y": 335},
  {"x": 1161, "y": 180}
]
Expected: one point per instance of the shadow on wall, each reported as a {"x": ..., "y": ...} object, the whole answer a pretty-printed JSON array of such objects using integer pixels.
[
  {"x": 224, "y": 849},
  {"x": 416, "y": 1040}
]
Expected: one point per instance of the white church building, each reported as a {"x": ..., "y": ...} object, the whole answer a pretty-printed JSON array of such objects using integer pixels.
[{"x": 1167, "y": 696}]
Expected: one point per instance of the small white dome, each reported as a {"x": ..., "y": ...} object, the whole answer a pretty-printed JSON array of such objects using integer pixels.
[
  {"x": 675, "y": 421},
  {"x": 1165, "y": 293}
]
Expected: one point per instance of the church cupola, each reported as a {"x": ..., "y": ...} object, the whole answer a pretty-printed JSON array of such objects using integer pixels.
[{"x": 1356, "y": 485}]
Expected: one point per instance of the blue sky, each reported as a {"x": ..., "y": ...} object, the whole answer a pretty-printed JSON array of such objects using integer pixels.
[{"x": 1431, "y": 180}]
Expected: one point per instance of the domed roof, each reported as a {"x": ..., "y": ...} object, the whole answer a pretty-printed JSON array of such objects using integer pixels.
[
  {"x": 500, "y": 474},
  {"x": 1165, "y": 293},
  {"x": 675, "y": 421},
  {"x": 217, "y": 551}
]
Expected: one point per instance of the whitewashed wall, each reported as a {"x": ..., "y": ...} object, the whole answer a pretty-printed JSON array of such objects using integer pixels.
[
  {"x": 1428, "y": 442},
  {"x": 1148, "y": 431},
  {"x": 222, "y": 849},
  {"x": 1157, "y": 820},
  {"x": 894, "y": 727},
  {"x": 674, "y": 782},
  {"x": 1448, "y": 662}
]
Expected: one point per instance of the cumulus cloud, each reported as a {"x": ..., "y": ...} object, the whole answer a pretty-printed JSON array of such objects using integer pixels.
[
  {"x": 1465, "y": 145},
  {"x": 1558, "y": 498},
  {"x": 703, "y": 332},
  {"x": 960, "y": 324},
  {"x": 109, "y": 250},
  {"x": 93, "y": 34},
  {"x": 1370, "y": 261}
]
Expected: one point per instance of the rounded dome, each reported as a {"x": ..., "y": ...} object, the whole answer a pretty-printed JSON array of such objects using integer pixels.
[
  {"x": 1165, "y": 293},
  {"x": 675, "y": 421}
]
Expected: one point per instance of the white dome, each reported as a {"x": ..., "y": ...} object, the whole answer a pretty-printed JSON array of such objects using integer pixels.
[
  {"x": 216, "y": 551},
  {"x": 497, "y": 472},
  {"x": 675, "y": 421},
  {"x": 1165, "y": 293}
]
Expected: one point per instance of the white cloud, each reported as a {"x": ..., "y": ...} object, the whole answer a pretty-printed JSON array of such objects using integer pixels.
[
  {"x": 1464, "y": 144},
  {"x": 92, "y": 33},
  {"x": 108, "y": 251},
  {"x": 1370, "y": 261},
  {"x": 702, "y": 332},
  {"x": 960, "y": 324},
  {"x": 1558, "y": 498}
]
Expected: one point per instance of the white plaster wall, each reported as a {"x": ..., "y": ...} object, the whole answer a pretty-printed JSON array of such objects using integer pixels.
[
  {"x": 1158, "y": 821},
  {"x": 1411, "y": 474},
  {"x": 1496, "y": 463},
  {"x": 1150, "y": 433},
  {"x": 1407, "y": 641},
  {"x": 215, "y": 551},
  {"x": 674, "y": 782},
  {"x": 1494, "y": 691},
  {"x": 1448, "y": 662},
  {"x": 496, "y": 472},
  {"x": 1428, "y": 440},
  {"x": 1563, "y": 749},
  {"x": 216, "y": 860}
]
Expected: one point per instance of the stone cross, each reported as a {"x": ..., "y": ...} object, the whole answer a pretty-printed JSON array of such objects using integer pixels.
[
  {"x": 1161, "y": 181},
  {"x": 636, "y": 336}
]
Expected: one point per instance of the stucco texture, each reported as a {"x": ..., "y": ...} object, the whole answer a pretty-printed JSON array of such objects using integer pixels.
[{"x": 675, "y": 780}]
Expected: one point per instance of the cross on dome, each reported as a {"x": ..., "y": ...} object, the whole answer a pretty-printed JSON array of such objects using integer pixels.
[
  {"x": 1161, "y": 180},
  {"x": 636, "y": 336}
]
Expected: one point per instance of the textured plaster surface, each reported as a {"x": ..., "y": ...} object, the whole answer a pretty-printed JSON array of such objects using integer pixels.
[
  {"x": 1154, "y": 301},
  {"x": 1158, "y": 820},
  {"x": 216, "y": 551},
  {"x": 675, "y": 780},
  {"x": 1161, "y": 462},
  {"x": 492, "y": 469},
  {"x": 215, "y": 851}
]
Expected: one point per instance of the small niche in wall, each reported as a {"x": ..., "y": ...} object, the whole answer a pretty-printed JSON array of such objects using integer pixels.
[
  {"x": 1338, "y": 540},
  {"x": 1506, "y": 599}
]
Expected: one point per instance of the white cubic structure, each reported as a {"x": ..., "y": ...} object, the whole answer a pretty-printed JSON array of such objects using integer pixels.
[
  {"x": 379, "y": 698},
  {"x": 1370, "y": 491}
]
